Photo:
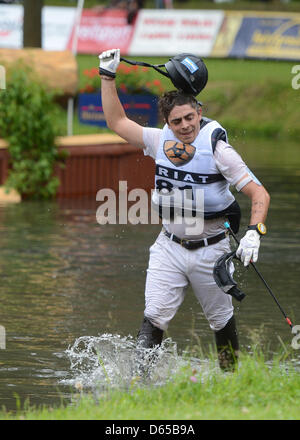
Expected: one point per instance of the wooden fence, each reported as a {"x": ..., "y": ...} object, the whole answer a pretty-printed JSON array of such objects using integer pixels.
[{"x": 95, "y": 162}]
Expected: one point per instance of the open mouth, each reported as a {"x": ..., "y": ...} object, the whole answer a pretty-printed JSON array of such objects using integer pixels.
[{"x": 187, "y": 134}]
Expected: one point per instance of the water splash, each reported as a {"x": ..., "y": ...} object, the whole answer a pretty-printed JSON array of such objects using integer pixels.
[{"x": 110, "y": 361}]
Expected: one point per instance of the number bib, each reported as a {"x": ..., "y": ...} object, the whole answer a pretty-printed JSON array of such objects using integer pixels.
[{"x": 188, "y": 173}]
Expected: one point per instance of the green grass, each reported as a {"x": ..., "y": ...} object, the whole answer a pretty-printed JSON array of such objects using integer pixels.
[
  {"x": 240, "y": 70},
  {"x": 259, "y": 390}
]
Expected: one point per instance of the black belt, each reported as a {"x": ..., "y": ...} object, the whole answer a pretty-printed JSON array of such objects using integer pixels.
[{"x": 195, "y": 244}]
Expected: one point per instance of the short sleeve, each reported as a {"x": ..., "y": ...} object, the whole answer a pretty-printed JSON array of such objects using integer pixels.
[
  {"x": 232, "y": 166},
  {"x": 151, "y": 138}
]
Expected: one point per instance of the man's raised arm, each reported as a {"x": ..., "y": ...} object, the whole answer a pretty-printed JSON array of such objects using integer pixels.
[{"x": 114, "y": 113}]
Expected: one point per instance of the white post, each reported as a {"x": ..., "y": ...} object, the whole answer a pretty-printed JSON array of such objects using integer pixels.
[{"x": 80, "y": 5}]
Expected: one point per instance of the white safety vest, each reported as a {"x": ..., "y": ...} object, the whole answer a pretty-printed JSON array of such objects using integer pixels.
[{"x": 191, "y": 167}]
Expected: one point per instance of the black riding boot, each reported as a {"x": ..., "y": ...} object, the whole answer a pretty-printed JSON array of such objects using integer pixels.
[
  {"x": 149, "y": 336},
  {"x": 227, "y": 346}
]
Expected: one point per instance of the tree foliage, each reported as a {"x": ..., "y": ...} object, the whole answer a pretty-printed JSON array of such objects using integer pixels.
[{"x": 27, "y": 115}]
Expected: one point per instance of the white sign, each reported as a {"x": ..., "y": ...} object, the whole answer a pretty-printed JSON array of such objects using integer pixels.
[
  {"x": 57, "y": 25},
  {"x": 11, "y": 22},
  {"x": 170, "y": 32}
]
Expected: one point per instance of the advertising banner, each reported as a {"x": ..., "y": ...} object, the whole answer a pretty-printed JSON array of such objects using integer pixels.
[
  {"x": 140, "y": 108},
  {"x": 103, "y": 30},
  {"x": 11, "y": 24},
  {"x": 227, "y": 34},
  {"x": 57, "y": 25},
  {"x": 273, "y": 35},
  {"x": 171, "y": 32},
  {"x": 268, "y": 35}
]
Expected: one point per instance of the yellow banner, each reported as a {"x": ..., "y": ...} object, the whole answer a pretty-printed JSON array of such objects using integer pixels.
[{"x": 259, "y": 35}]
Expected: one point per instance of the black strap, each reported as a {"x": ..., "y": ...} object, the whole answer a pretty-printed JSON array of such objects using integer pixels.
[
  {"x": 196, "y": 244},
  {"x": 142, "y": 63},
  {"x": 217, "y": 135}
]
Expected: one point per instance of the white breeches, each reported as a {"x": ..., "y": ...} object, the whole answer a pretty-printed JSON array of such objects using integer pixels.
[{"x": 171, "y": 269}]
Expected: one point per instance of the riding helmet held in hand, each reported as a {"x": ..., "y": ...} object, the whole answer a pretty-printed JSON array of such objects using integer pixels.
[{"x": 188, "y": 73}]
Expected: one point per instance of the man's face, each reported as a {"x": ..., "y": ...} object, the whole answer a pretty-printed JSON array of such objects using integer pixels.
[{"x": 184, "y": 121}]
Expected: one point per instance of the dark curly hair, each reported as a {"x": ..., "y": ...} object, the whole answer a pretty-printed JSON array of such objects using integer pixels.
[{"x": 170, "y": 99}]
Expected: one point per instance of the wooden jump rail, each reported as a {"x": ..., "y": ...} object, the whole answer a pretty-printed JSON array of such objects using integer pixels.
[{"x": 95, "y": 162}]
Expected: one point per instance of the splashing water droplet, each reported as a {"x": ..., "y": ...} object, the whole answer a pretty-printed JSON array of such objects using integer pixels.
[{"x": 110, "y": 361}]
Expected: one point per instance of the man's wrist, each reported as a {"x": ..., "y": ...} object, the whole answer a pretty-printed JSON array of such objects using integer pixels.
[
  {"x": 107, "y": 78},
  {"x": 258, "y": 227},
  {"x": 106, "y": 73}
]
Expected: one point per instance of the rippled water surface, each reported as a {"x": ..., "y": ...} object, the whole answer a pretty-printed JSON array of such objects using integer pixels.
[{"x": 72, "y": 291}]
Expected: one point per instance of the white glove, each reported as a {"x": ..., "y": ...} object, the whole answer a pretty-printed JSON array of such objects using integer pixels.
[
  {"x": 248, "y": 248},
  {"x": 109, "y": 62}
]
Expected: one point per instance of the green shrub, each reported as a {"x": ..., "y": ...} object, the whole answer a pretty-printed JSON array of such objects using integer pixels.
[{"x": 27, "y": 115}]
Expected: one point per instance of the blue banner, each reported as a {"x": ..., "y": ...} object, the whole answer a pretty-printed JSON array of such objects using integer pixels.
[
  {"x": 140, "y": 108},
  {"x": 268, "y": 36}
]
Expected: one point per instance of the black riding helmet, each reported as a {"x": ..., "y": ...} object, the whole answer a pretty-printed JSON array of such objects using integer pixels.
[
  {"x": 223, "y": 271},
  {"x": 188, "y": 73}
]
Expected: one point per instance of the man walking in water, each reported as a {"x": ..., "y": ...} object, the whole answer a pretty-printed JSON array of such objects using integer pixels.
[{"x": 191, "y": 152}]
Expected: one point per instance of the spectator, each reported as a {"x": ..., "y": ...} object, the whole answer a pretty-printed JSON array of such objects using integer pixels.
[
  {"x": 133, "y": 8},
  {"x": 112, "y": 4},
  {"x": 164, "y": 4}
]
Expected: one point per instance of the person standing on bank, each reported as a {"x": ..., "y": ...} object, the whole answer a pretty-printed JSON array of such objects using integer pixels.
[{"x": 177, "y": 258}]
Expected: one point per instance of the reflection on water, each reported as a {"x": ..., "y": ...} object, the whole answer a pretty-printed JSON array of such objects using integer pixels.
[{"x": 66, "y": 282}]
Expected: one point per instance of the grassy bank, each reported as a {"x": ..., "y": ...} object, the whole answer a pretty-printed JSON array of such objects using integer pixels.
[
  {"x": 249, "y": 97},
  {"x": 259, "y": 390}
]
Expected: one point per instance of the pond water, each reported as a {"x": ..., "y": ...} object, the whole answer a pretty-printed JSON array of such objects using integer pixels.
[{"x": 70, "y": 287}]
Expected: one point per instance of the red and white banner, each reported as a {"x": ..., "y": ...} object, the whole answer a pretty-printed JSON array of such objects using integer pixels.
[
  {"x": 104, "y": 30},
  {"x": 161, "y": 32},
  {"x": 170, "y": 32},
  {"x": 155, "y": 32}
]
